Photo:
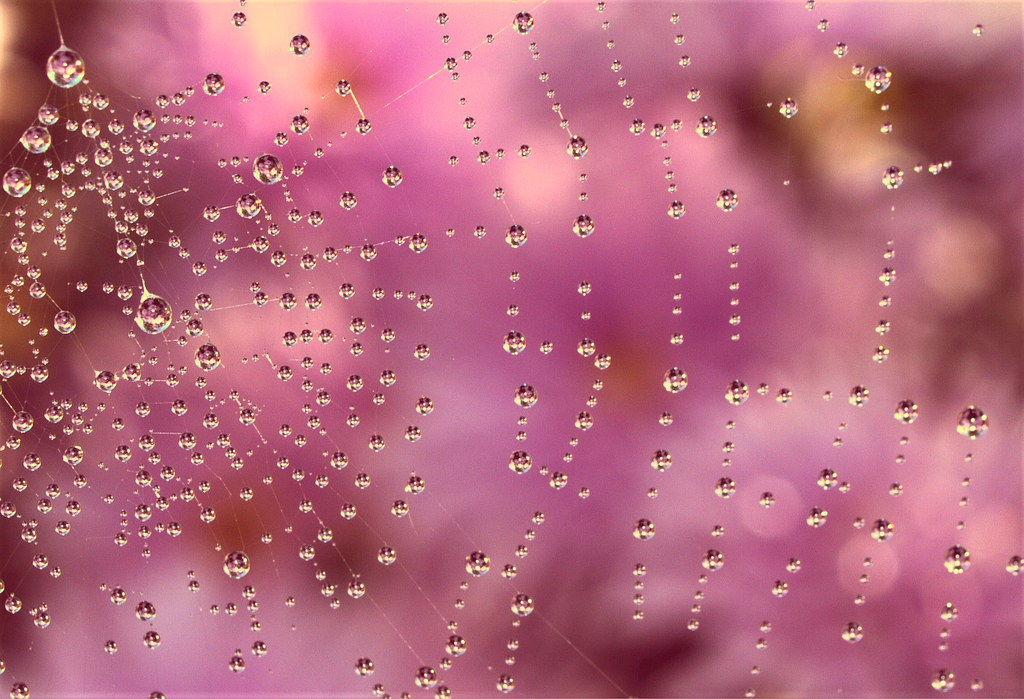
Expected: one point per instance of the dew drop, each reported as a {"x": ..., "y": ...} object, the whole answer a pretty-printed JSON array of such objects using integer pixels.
[
  {"x": 675, "y": 380},
  {"x": 236, "y": 565},
  {"x": 878, "y": 79},
  {"x": 958, "y": 559},
  {"x": 153, "y": 315},
  {"x": 972, "y": 422},
  {"x": 522, "y": 605},
  {"x": 207, "y": 357},
  {"x": 213, "y": 84},
  {"x": 392, "y": 176},
  {"x": 17, "y": 182},
  {"x": 577, "y": 147},
  {"x": 523, "y": 23},
  {"x": 65, "y": 68},
  {"x": 64, "y": 322},
  {"x": 943, "y": 680},
  {"x": 727, "y": 200},
  {"x": 267, "y": 169},
  {"x": 852, "y": 632},
  {"x": 299, "y": 45},
  {"x": 737, "y": 392},
  {"x": 36, "y": 139},
  {"x": 643, "y": 529}
]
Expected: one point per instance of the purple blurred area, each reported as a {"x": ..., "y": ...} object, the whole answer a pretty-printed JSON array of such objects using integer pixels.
[{"x": 813, "y": 226}]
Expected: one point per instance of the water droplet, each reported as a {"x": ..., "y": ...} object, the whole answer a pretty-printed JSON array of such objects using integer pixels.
[
  {"x": 299, "y": 45},
  {"x": 477, "y": 564},
  {"x": 514, "y": 342},
  {"x": 392, "y": 176},
  {"x": 583, "y": 226},
  {"x": 643, "y": 529},
  {"x": 145, "y": 610},
  {"x": 522, "y": 605},
  {"x": 426, "y": 677},
  {"x": 676, "y": 209},
  {"x": 817, "y": 517},
  {"x": 852, "y": 632},
  {"x": 943, "y": 680},
  {"x": 22, "y": 422},
  {"x": 713, "y": 560},
  {"x": 520, "y": 462},
  {"x": 64, "y": 322},
  {"x": 523, "y": 23},
  {"x": 154, "y": 315},
  {"x": 882, "y": 530},
  {"x": 207, "y": 357},
  {"x": 737, "y": 392},
  {"x": 577, "y": 147},
  {"x": 17, "y": 182},
  {"x": 972, "y": 422},
  {"x": 878, "y": 79},
  {"x": 892, "y": 178},
  {"x": 675, "y": 380},
  {"x": 65, "y": 68},
  {"x": 236, "y": 565},
  {"x": 906, "y": 411},
  {"x": 213, "y": 84},
  {"x": 515, "y": 236},
  {"x": 858, "y": 396},
  {"x": 958, "y": 559},
  {"x": 706, "y": 127},
  {"x": 727, "y": 200},
  {"x": 248, "y": 206},
  {"x": 526, "y": 396},
  {"x": 36, "y": 139},
  {"x": 267, "y": 169}
]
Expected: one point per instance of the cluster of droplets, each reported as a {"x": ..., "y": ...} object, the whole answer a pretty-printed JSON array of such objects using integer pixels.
[{"x": 154, "y": 317}]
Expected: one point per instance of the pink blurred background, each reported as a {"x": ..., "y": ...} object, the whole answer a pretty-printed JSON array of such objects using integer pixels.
[{"x": 812, "y": 225}]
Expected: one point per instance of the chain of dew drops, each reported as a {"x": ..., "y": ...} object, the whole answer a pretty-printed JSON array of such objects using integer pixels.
[{"x": 154, "y": 316}]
